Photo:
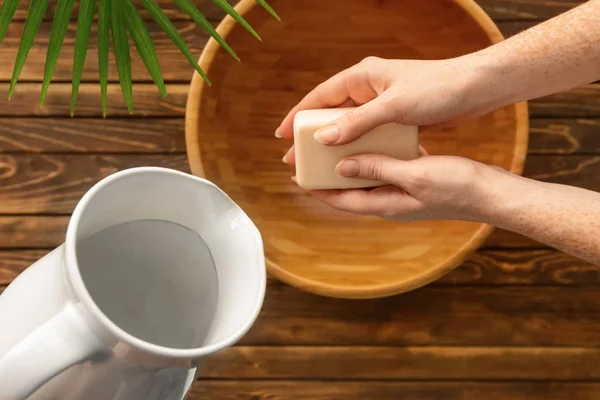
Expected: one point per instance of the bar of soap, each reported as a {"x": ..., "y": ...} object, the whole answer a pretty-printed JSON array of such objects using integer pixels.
[{"x": 316, "y": 162}]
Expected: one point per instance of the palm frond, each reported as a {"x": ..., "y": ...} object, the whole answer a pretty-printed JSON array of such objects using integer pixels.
[
  {"x": 191, "y": 10},
  {"x": 103, "y": 37},
  {"x": 84, "y": 28},
  {"x": 6, "y": 15},
  {"x": 62, "y": 15},
  {"x": 240, "y": 20},
  {"x": 121, "y": 48},
  {"x": 119, "y": 19},
  {"x": 143, "y": 43},
  {"x": 163, "y": 21},
  {"x": 36, "y": 12}
]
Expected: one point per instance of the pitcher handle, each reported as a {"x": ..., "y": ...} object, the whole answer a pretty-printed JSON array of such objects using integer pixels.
[{"x": 59, "y": 343}]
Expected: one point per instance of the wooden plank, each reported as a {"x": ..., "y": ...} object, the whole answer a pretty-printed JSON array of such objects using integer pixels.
[
  {"x": 526, "y": 9},
  {"x": 53, "y": 183},
  {"x": 432, "y": 316},
  {"x": 12, "y": 263},
  {"x": 412, "y": 363},
  {"x": 32, "y": 232},
  {"x": 146, "y": 101},
  {"x": 47, "y": 231},
  {"x": 327, "y": 390},
  {"x": 37, "y": 135},
  {"x": 583, "y": 102},
  {"x": 485, "y": 267},
  {"x": 208, "y": 7},
  {"x": 497, "y": 9},
  {"x": 523, "y": 267},
  {"x": 564, "y": 136},
  {"x": 473, "y": 316},
  {"x": 92, "y": 135},
  {"x": 547, "y": 136},
  {"x": 174, "y": 65}
]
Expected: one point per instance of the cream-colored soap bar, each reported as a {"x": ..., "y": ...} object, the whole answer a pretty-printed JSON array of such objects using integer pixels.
[{"x": 316, "y": 162}]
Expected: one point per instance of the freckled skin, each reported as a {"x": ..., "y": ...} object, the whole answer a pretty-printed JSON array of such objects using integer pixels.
[{"x": 556, "y": 55}]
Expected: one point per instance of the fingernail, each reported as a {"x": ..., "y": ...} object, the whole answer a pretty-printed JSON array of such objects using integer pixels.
[
  {"x": 328, "y": 135},
  {"x": 294, "y": 179},
  {"x": 277, "y": 134},
  {"x": 348, "y": 168},
  {"x": 284, "y": 159}
]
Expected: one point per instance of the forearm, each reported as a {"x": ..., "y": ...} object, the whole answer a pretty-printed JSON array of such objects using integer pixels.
[
  {"x": 556, "y": 55},
  {"x": 564, "y": 217}
]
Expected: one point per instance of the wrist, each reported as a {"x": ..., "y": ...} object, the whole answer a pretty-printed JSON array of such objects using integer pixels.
[
  {"x": 504, "y": 197},
  {"x": 487, "y": 82}
]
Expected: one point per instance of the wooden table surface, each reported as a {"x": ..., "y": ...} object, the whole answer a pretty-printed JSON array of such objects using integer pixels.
[{"x": 517, "y": 321}]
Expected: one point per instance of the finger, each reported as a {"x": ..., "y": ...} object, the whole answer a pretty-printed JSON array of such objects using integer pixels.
[
  {"x": 356, "y": 201},
  {"x": 385, "y": 201},
  {"x": 290, "y": 157},
  {"x": 422, "y": 151},
  {"x": 378, "y": 167},
  {"x": 356, "y": 123},
  {"x": 331, "y": 93}
]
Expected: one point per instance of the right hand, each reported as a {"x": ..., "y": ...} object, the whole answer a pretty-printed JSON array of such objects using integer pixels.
[{"x": 409, "y": 92}]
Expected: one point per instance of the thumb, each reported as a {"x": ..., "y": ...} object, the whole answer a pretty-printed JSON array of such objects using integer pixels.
[
  {"x": 357, "y": 122},
  {"x": 379, "y": 168}
]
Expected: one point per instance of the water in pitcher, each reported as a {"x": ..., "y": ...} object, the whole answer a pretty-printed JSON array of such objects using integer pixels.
[{"x": 155, "y": 279}]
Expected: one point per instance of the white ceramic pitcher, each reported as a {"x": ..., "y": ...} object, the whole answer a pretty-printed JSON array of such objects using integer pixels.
[{"x": 127, "y": 317}]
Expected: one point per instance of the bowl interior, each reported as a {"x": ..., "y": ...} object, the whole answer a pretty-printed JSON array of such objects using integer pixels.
[{"x": 230, "y": 128}]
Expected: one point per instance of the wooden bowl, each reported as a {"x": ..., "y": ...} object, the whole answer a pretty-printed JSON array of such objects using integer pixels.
[{"x": 230, "y": 137}]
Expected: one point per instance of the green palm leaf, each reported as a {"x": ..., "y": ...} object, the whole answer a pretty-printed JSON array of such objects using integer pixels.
[
  {"x": 118, "y": 18},
  {"x": 121, "y": 49},
  {"x": 103, "y": 34},
  {"x": 163, "y": 21},
  {"x": 240, "y": 20},
  {"x": 6, "y": 15},
  {"x": 143, "y": 43},
  {"x": 269, "y": 9},
  {"x": 191, "y": 10},
  {"x": 36, "y": 12},
  {"x": 84, "y": 28},
  {"x": 62, "y": 15}
]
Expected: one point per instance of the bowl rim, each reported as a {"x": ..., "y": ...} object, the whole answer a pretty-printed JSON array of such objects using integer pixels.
[{"x": 192, "y": 138}]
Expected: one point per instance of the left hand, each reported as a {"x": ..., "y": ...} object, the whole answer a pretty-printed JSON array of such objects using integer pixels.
[{"x": 428, "y": 188}]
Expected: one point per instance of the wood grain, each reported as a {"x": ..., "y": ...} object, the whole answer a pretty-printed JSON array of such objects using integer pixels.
[
  {"x": 486, "y": 267},
  {"x": 432, "y": 316},
  {"x": 412, "y": 363},
  {"x": 174, "y": 65},
  {"x": 47, "y": 231},
  {"x": 147, "y": 101},
  {"x": 129, "y": 135},
  {"x": 498, "y": 9},
  {"x": 37, "y": 135},
  {"x": 32, "y": 232},
  {"x": 55, "y": 183},
  {"x": 564, "y": 136},
  {"x": 471, "y": 316},
  {"x": 582, "y": 102},
  {"x": 13, "y": 262},
  {"x": 522, "y": 267},
  {"x": 326, "y": 390}
]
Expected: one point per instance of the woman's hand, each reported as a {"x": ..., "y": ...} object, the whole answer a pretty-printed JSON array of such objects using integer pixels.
[
  {"x": 408, "y": 92},
  {"x": 431, "y": 187}
]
